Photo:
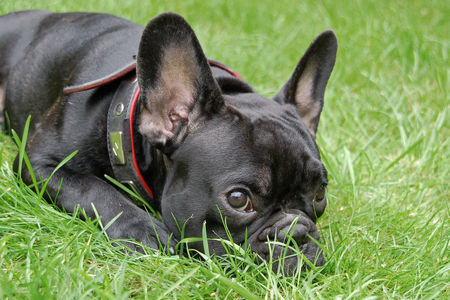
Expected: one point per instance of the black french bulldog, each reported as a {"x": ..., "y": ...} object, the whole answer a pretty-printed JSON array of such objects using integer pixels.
[{"x": 203, "y": 143}]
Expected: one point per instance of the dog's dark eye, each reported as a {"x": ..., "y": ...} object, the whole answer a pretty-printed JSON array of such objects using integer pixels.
[
  {"x": 320, "y": 194},
  {"x": 240, "y": 200}
]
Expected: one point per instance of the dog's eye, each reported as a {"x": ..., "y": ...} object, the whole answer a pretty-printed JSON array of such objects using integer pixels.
[
  {"x": 320, "y": 194},
  {"x": 240, "y": 200}
]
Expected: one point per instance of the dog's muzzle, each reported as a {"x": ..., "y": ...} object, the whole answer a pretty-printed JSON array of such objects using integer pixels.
[{"x": 289, "y": 239}]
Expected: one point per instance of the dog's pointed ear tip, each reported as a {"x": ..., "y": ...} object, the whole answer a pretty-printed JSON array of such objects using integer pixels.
[
  {"x": 168, "y": 17},
  {"x": 169, "y": 24},
  {"x": 330, "y": 32},
  {"x": 329, "y": 35}
]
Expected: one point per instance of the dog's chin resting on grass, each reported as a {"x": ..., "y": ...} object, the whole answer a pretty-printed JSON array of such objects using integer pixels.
[{"x": 205, "y": 143}]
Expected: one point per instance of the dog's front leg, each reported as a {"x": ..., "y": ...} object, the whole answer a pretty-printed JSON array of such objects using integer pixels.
[{"x": 99, "y": 199}]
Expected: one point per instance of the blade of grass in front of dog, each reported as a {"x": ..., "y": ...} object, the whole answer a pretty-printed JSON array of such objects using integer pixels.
[
  {"x": 62, "y": 163},
  {"x": 132, "y": 194},
  {"x": 225, "y": 226},
  {"x": 99, "y": 220},
  {"x": 23, "y": 145},
  {"x": 112, "y": 221},
  {"x": 181, "y": 230},
  {"x": 205, "y": 242},
  {"x": 122, "y": 186},
  {"x": 287, "y": 244},
  {"x": 191, "y": 240},
  {"x": 238, "y": 251},
  {"x": 23, "y": 157}
]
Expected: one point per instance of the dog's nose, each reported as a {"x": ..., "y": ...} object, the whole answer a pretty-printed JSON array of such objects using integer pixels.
[
  {"x": 295, "y": 229},
  {"x": 299, "y": 233}
]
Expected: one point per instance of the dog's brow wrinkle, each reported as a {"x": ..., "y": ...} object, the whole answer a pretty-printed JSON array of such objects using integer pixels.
[{"x": 264, "y": 180}]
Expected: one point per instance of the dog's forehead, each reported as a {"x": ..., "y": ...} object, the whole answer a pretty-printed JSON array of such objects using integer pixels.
[
  {"x": 266, "y": 116},
  {"x": 280, "y": 139},
  {"x": 264, "y": 143}
]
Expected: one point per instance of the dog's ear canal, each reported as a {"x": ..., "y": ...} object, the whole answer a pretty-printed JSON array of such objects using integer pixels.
[
  {"x": 176, "y": 83},
  {"x": 306, "y": 87}
]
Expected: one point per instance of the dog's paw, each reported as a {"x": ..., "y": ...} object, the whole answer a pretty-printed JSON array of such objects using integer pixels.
[
  {"x": 148, "y": 233},
  {"x": 156, "y": 236}
]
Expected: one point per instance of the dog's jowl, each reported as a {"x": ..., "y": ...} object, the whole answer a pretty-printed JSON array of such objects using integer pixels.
[{"x": 146, "y": 107}]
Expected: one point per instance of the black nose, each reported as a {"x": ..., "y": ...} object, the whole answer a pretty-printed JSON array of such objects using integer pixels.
[
  {"x": 292, "y": 229},
  {"x": 299, "y": 234},
  {"x": 287, "y": 227}
]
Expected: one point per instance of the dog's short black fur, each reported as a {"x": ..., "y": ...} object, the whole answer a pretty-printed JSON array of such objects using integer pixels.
[{"x": 214, "y": 144}]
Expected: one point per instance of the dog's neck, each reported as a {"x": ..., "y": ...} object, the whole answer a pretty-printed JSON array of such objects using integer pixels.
[{"x": 154, "y": 166}]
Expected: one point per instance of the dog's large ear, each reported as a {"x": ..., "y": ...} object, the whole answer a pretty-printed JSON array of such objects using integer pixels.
[
  {"x": 176, "y": 83},
  {"x": 306, "y": 87}
]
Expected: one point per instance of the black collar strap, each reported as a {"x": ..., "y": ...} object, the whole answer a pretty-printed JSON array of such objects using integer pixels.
[
  {"x": 120, "y": 135},
  {"x": 121, "y": 140}
]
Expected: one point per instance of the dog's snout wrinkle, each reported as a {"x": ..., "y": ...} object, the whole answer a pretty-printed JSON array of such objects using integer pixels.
[
  {"x": 282, "y": 226},
  {"x": 299, "y": 233}
]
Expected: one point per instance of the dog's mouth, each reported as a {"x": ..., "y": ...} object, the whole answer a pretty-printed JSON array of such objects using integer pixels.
[{"x": 290, "y": 242}]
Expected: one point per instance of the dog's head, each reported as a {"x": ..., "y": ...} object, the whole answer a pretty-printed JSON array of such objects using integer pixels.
[{"x": 234, "y": 154}]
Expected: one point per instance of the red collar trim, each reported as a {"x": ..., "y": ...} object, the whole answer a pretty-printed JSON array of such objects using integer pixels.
[
  {"x": 214, "y": 63},
  {"x": 133, "y": 150}
]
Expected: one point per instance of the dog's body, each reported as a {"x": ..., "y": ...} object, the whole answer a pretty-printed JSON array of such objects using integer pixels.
[{"x": 207, "y": 145}]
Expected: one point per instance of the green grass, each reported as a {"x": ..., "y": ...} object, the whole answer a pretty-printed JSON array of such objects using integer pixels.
[{"x": 383, "y": 136}]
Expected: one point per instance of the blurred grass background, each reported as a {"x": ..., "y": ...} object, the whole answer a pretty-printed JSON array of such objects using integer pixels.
[{"x": 383, "y": 136}]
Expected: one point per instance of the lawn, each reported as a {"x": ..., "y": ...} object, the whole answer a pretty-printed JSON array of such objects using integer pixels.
[{"x": 383, "y": 137}]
